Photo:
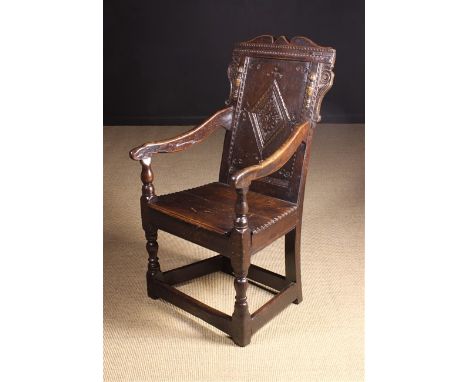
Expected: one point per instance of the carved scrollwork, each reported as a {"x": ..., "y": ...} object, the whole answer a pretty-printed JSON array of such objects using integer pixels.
[
  {"x": 323, "y": 84},
  {"x": 326, "y": 77},
  {"x": 319, "y": 82},
  {"x": 232, "y": 73},
  {"x": 235, "y": 73}
]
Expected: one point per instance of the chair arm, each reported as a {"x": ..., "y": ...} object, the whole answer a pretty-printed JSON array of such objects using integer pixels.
[
  {"x": 274, "y": 162},
  {"x": 182, "y": 142}
]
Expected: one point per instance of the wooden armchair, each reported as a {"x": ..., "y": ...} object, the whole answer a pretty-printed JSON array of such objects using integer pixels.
[{"x": 276, "y": 90}]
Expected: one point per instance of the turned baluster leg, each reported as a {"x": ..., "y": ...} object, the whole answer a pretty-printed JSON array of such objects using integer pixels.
[
  {"x": 151, "y": 232},
  {"x": 293, "y": 259},
  {"x": 240, "y": 261},
  {"x": 154, "y": 269}
]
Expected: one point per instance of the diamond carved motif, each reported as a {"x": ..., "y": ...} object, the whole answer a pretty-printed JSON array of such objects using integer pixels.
[{"x": 268, "y": 116}]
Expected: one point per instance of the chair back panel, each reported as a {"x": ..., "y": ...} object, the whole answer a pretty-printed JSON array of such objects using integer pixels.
[{"x": 275, "y": 85}]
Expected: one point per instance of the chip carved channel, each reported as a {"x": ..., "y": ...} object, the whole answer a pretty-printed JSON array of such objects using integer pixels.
[
  {"x": 257, "y": 45},
  {"x": 322, "y": 57},
  {"x": 239, "y": 86},
  {"x": 262, "y": 227}
]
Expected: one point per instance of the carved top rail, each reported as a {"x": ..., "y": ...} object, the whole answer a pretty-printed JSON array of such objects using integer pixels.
[{"x": 301, "y": 49}]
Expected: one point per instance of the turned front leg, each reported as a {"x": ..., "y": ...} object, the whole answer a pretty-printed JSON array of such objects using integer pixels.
[
  {"x": 154, "y": 269},
  {"x": 241, "y": 319},
  {"x": 240, "y": 261},
  {"x": 151, "y": 233}
]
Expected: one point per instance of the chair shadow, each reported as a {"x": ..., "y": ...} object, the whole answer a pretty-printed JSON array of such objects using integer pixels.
[{"x": 130, "y": 299}]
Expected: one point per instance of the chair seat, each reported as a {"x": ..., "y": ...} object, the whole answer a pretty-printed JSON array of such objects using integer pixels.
[{"x": 212, "y": 207}]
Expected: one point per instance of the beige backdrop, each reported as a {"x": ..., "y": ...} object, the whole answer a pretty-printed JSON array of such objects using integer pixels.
[{"x": 322, "y": 339}]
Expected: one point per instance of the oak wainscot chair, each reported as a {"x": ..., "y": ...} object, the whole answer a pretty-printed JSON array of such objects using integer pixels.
[{"x": 277, "y": 87}]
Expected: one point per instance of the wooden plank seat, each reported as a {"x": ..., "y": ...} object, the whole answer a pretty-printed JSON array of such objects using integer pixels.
[{"x": 211, "y": 207}]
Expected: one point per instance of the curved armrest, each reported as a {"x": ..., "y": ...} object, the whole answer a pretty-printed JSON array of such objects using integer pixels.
[
  {"x": 274, "y": 162},
  {"x": 184, "y": 141}
]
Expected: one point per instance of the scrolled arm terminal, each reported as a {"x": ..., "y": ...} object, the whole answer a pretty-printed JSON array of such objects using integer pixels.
[{"x": 182, "y": 142}]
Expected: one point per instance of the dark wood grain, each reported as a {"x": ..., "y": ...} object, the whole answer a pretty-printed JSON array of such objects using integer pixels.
[
  {"x": 222, "y": 118},
  {"x": 244, "y": 177},
  {"x": 212, "y": 207},
  {"x": 277, "y": 87}
]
